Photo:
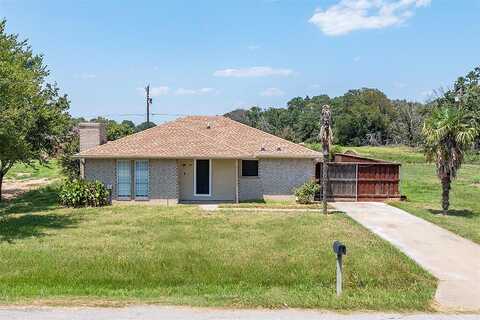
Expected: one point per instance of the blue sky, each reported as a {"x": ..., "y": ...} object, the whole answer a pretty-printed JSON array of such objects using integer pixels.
[{"x": 209, "y": 57}]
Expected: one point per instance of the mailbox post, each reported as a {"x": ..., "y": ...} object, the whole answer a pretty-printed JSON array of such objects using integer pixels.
[{"x": 339, "y": 249}]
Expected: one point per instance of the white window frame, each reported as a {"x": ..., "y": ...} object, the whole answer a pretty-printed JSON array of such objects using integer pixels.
[
  {"x": 209, "y": 178},
  {"x": 119, "y": 197},
  {"x": 135, "y": 180}
]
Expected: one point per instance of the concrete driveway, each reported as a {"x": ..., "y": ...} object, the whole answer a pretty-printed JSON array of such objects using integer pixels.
[{"x": 455, "y": 261}]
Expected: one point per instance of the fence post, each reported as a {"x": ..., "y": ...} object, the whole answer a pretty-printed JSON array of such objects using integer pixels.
[{"x": 356, "y": 183}]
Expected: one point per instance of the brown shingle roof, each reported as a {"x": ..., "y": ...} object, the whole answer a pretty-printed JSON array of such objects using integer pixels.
[{"x": 200, "y": 137}]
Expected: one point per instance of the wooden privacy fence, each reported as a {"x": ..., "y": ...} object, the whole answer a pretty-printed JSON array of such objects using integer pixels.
[{"x": 354, "y": 178}]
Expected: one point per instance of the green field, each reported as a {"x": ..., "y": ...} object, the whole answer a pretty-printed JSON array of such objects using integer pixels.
[
  {"x": 422, "y": 188},
  {"x": 37, "y": 171},
  {"x": 180, "y": 255}
]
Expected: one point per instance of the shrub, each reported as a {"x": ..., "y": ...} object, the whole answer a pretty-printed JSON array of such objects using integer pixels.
[
  {"x": 306, "y": 193},
  {"x": 333, "y": 150},
  {"x": 80, "y": 193}
]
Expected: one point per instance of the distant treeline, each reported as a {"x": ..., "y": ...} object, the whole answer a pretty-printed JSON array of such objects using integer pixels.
[{"x": 360, "y": 117}]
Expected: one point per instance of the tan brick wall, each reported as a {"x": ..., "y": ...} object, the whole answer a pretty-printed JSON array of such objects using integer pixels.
[
  {"x": 162, "y": 177},
  {"x": 277, "y": 178},
  {"x": 163, "y": 180},
  {"x": 249, "y": 188},
  {"x": 103, "y": 170}
]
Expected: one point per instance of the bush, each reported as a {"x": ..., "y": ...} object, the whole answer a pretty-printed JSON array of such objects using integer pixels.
[
  {"x": 306, "y": 193},
  {"x": 80, "y": 193}
]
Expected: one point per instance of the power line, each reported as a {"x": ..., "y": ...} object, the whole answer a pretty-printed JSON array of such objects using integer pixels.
[
  {"x": 171, "y": 114},
  {"x": 134, "y": 115}
]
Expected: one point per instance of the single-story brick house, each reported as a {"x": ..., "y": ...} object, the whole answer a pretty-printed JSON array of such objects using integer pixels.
[{"x": 196, "y": 159}]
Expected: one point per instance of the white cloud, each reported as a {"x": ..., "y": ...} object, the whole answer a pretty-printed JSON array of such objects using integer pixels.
[
  {"x": 159, "y": 91},
  {"x": 272, "y": 92},
  {"x": 165, "y": 90},
  {"x": 186, "y": 92},
  {"x": 252, "y": 72},
  {"x": 253, "y": 47},
  {"x": 350, "y": 15},
  {"x": 156, "y": 91},
  {"x": 85, "y": 76}
]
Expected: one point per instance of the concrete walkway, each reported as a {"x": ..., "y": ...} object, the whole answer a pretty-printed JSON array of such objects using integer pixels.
[
  {"x": 184, "y": 313},
  {"x": 455, "y": 261}
]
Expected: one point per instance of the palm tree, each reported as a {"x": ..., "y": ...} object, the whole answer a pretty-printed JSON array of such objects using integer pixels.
[{"x": 448, "y": 132}]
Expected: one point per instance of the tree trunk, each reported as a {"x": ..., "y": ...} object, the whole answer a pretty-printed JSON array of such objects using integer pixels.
[
  {"x": 445, "y": 194},
  {"x": 1, "y": 182},
  {"x": 324, "y": 181}
]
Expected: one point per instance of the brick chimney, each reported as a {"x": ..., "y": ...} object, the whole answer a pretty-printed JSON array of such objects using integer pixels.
[{"x": 91, "y": 134}]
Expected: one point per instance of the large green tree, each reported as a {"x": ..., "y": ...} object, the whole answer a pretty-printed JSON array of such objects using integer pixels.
[
  {"x": 33, "y": 114},
  {"x": 362, "y": 117}
]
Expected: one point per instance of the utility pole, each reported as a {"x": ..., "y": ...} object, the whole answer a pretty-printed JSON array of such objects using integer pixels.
[{"x": 149, "y": 101}]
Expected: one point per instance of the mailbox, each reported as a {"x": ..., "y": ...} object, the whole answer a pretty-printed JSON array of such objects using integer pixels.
[{"x": 339, "y": 248}]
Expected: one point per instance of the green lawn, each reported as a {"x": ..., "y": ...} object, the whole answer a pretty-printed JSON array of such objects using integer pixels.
[
  {"x": 24, "y": 172},
  {"x": 422, "y": 188},
  {"x": 180, "y": 255},
  {"x": 272, "y": 204}
]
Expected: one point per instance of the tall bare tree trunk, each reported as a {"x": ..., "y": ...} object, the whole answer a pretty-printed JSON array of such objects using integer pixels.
[
  {"x": 326, "y": 139},
  {"x": 1, "y": 182},
  {"x": 446, "y": 182},
  {"x": 324, "y": 178}
]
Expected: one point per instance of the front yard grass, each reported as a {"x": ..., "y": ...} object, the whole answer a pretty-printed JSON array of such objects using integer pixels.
[
  {"x": 273, "y": 204},
  {"x": 180, "y": 255}
]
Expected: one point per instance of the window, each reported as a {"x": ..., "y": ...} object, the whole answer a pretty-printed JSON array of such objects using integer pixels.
[
  {"x": 124, "y": 179},
  {"x": 249, "y": 168},
  {"x": 141, "y": 179},
  {"x": 202, "y": 176}
]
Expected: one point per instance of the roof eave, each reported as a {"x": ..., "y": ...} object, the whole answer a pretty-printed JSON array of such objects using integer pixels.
[
  {"x": 146, "y": 156},
  {"x": 149, "y": 156}
]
